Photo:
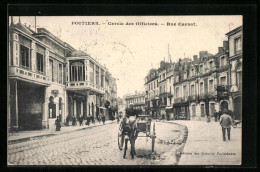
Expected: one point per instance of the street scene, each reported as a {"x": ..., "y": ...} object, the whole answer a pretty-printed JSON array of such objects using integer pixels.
[{"x": 147, "y": 90}]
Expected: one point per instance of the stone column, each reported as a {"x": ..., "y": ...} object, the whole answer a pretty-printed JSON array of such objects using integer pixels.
[
  {"x": 16, "y": 103},
  {"x": 15, "y": 49},
  {"x": 94, "y": 74},
  {"x": 33, "y": 56},
  {"x": 81, "y": 107},
  {"x": 68, "y": 71},
  {"x": 45, "y": 110},
  {"x": 75, "y": 108},
  {"x": 46, "y": 62}
]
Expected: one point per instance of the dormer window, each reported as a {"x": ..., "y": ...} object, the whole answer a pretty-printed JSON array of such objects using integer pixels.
[
  {"x": 210, "y": 65},
  {"x": 222, "y": 61},
  {"x": 238, "y": 45},
  {"x": 201, "y": 68}
]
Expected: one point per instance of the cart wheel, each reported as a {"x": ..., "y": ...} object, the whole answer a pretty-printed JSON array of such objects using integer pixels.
[
  {"x": 153, "y": 136},
  {"x": 120, "y": 137}
]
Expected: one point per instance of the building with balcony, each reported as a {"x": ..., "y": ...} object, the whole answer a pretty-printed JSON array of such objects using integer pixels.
[
  {"x": 152, "y": 93},
  {"x": 85, "y": 85},
  {"x": 137, "y": 99},
  {"x": 235, "y": 59},
  {"x": 49, "y": 78}
]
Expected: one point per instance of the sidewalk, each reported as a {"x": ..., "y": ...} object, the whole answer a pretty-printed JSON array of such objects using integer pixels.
[
  {"x": 205, "y": 146},
  {"x": 25, "y": 135}
]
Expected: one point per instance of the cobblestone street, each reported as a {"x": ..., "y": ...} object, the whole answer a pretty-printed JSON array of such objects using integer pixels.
[{"x": 98, "y": 146}]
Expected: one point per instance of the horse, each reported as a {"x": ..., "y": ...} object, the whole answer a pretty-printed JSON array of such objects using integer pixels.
[{"x": 131, "y": 133}]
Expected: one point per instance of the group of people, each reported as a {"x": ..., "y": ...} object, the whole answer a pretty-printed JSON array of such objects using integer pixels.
[{"x": 80, "y": 119}]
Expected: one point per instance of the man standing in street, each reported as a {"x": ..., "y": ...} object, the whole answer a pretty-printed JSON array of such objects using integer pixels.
[{"x": 225, "y": 122}]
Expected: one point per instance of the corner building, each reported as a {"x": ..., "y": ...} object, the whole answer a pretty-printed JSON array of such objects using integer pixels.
[{"x": 47, "y": 78}]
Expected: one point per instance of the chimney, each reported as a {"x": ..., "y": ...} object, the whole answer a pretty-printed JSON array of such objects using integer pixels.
[
  {"x": 195, "y": 58},
  {"x": 25, "y": 24},
  {"x": 225, "y": 45},
  {"x": 220, "y": 49},
  {"x": 162, "y": 64},
  {"x": 135, "y": 92},
  {"x": 29, "y": 26}
]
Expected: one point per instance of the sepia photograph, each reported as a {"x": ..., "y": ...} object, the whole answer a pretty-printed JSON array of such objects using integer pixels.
[{"x": 124, "y": 90}]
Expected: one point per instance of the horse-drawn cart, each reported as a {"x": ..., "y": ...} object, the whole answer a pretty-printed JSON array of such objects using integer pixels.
[{"x": 142, "y": 127}]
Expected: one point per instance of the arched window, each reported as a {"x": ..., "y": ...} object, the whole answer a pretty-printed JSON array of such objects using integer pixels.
[{"x": 77, "y": 71}]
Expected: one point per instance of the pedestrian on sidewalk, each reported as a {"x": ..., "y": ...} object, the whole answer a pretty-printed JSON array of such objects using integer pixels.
[
  {"x": 225, "y": 122},
  {"x": 208, "y": 117},
  {"x": 57, "y": 123},
  {"x": 67, "y": 120},
  {"x": 80, "y": 120},
  {"x": 73, "y": 120},
  {"x": 216, "y": 116}
]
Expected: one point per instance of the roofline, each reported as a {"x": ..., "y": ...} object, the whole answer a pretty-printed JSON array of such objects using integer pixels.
[{"x": 234, "y": 30}]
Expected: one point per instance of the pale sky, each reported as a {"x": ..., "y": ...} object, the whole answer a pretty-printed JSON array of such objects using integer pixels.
[{"x": 130, "y": 51}]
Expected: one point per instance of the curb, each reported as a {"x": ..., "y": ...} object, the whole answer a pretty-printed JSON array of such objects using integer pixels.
[{"x": 53, "y": 134}]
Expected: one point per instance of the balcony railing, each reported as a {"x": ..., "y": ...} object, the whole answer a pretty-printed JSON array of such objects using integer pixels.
[
  {"x": 85, "y": 85},
  {"x": 28, "y": 74}
]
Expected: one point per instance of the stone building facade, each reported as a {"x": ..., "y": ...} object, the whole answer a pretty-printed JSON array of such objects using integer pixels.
[
  {"x": 196, "y": 88},
  {"x": 137, "y": 99},
  {"x": 49, "y": 78}
]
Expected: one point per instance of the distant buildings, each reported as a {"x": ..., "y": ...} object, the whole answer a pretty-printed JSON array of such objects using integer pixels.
[
  {"x": 195, "y": 88},
  {"x": 137, "y": 99},
  {"x": 49, "y": 78}
]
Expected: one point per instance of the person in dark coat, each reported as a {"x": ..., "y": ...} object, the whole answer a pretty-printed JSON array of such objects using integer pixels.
[
  {"x": 73, "y": 120},
  {"x": 67, "y": 120},
  {"x": 81, "y": 120},
  {"x": 57, "y": 123},
  {"x": 225, "y": 122},
  {"x": 216, "y": 116}
]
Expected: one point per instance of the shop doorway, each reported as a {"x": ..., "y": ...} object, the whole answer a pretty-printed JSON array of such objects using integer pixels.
[
  {"x": 211, "y": 109},
  {"x": 202, "y": 109},
  {"x": 193, "y": 110}
]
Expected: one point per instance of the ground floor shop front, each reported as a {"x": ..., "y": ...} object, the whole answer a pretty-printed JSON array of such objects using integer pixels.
[{"x": 36, "y": 106}]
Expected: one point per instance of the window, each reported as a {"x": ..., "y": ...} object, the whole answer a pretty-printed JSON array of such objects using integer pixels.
[
  {"x": 192, "y": 72},
  {"x": 91, "y": 72},
  {"x": 77, "y": 71},
  {"x": 184, "y": 91},
  {"x": 51, "y": 70},
  {"x": 223, "y": 80},
  {"x": 39, "y": 61},
  {"x": 60, "y": 73},
  {"x": 201, "y": 68},
  {"x": 222, "y": 61},
  {"x": 177, "y": 92},
  {"x": 97, "y": 75},
  {"x": 211, "y": 86},
  {"x": 102, "y": 78},
  {"x": 239, "y": 80},
  {"x": 238, "y": 45},
  {"x": 210, "y": 65},
  {"x": 25, "y": 59},
  {"x": 201, "y": 88},
  {"x": 192, "y": 90}
]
